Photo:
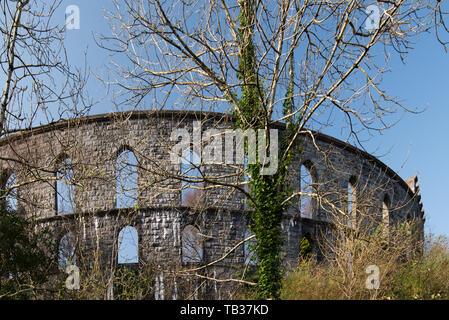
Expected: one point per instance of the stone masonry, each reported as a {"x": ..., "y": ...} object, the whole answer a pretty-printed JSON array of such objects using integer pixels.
[{"x": 93, "y": 144}]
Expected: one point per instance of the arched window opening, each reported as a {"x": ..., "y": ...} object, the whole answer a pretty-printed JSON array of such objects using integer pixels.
[
  {"x": 352, "y": 201},
  {"x": 305, "y": 247},
  {"x": 409, "y": 219},
  {"x": 192, "y": 245},
  {"x": 126, "y": 180},
  {"x": 66, "y": 251},
  {"x": 386, "y": 210},
  {"x": 249, "y": 248},
  {"x": 128, "y": 245},
  {"x": 11, "y": 198},
  {"x": 191, "y": 193},
  {"x": 64, "y": 188},
  {"x": 410, "y": 225},
  {"x": 306, "y": 201}
]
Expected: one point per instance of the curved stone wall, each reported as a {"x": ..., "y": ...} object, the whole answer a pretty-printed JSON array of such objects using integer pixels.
[{"x": 93, "y": 144}]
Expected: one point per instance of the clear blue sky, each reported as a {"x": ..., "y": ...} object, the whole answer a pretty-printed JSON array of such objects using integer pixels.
[
  {"x": 421, "y": 140},
  {"x": 417, "y": 145}
]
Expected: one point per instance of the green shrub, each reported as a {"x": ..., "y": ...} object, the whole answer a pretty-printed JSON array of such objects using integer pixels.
[{"x": 26, "y": 256}]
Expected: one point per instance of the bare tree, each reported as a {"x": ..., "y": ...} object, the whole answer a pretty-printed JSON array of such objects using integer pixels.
[
  {"x": 297, "y": 65},
  {"x": 191, "y": 52},
  {"x": 40, "y": 86},
  {"x": 307, "y": 64}
]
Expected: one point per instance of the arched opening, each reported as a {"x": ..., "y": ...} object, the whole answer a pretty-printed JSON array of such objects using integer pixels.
[
  {"x": 386, "y": 203},
  {"x": 128, "y": 245},
  {"x": 126, "y": 180},
  {"x": 64, "y": 188},
  {"x": 249, "y": 248},
  {"x": 191, "y": 192},
  {"x": 352, "y": 201},
  {"x": 66, "y": 251},
  {"x": 305, "y": 247},
  {"x": 192, "y": 245},
  {"x": 306, "y": 184},
  {"x": 11, "y": 197}
]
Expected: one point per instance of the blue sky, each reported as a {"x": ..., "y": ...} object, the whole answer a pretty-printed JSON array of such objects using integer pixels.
[
  {"x": 415, "y": 146},
  {"x": 421, "y": 140}
]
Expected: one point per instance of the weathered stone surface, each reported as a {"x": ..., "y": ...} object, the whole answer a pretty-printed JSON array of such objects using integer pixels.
[{"x": 93, "y": 144}]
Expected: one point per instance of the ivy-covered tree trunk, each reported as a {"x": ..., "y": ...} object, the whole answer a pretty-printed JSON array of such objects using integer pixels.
[
  {"x": 267, "y": 219},
  {"x": 268, "y": 191}
]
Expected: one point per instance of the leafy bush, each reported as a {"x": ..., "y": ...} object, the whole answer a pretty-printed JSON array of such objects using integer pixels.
[{"x": 26, "y": 256}]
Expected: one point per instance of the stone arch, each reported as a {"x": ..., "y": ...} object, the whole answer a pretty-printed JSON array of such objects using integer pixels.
[
  {"x": 9, "y": 195},
  {"x": 126, "y": 178},
  {"x": 308, "y": 180},
  {"x": 249, "y": 248},
  {"x": 352, "y": 198},
  {"x": 12, "y": 197},
  {"x": 306, "y": 246},
  {"x": 122, "y": 148},
  {"x": 408, "y": 218},
  {"x": 386, "y": 207},
  {"x": 191, "y": 193},
  {"x": 64, "y": 189},
  {"x": 192, "y": 249},
  {"x": 128, "y": 245}
]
